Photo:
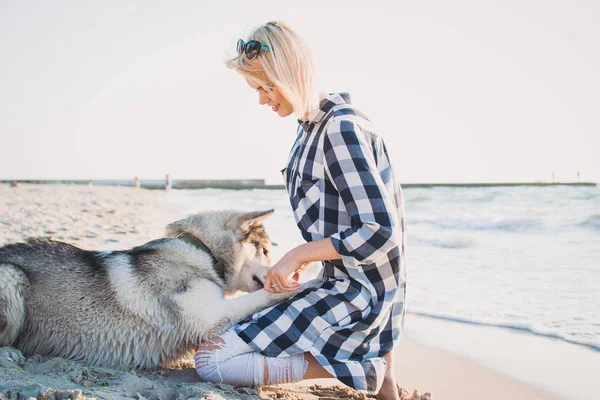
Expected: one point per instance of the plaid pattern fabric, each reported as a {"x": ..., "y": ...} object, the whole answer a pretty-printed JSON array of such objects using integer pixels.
[{"x": 341, "y": 185}]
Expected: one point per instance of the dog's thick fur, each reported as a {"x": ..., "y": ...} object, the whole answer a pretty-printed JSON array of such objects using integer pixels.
[{"x": 144, "y": 307}]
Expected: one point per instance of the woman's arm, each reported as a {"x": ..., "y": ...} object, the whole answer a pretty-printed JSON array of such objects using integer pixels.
[
  {"x": 350, "y": 164},
  {"x": 286, "y": 272}
]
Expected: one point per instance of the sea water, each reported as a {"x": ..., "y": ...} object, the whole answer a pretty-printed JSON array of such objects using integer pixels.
[{"x": 524, "y": 258}]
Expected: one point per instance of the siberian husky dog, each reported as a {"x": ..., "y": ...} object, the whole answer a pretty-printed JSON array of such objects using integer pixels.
[{"x": 145, "y": 307}]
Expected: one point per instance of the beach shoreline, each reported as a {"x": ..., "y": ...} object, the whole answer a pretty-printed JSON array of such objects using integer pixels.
[{"x": 111, "y": 218}]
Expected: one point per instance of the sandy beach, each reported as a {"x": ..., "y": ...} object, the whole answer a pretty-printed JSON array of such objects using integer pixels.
[{"x": 109, "y": 218}]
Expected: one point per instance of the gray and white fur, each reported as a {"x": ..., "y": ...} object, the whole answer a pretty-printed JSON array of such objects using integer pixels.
[{"x": 145, "y": 307}]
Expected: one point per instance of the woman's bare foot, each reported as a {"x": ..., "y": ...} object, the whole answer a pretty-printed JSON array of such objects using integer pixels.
[{"x": 389, "y": 389}]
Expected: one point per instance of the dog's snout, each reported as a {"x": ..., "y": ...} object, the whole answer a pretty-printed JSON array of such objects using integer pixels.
[{"x": 258, "y": 280}]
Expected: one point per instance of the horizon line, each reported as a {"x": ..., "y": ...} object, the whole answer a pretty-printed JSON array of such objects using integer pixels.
[{"x": 260, "y": 183}]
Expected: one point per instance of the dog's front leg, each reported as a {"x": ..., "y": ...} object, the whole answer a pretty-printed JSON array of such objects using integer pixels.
[
  {"x": 238, "y": 309},
  {"x": 207, "y": 313},
  {"x": 242, "y": 307}
]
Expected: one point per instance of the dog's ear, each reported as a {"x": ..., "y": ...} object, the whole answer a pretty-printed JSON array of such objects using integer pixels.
[
  {"x": 173, "y": 229},
  {"x": 242, "y": 224},
  {"x": 181, "y": 226}
]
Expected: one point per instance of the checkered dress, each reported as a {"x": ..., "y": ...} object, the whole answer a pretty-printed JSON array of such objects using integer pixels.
[{"x": 341, "y": 185}]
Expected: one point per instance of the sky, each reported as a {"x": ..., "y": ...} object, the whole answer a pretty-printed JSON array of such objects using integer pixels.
[{"x": 461, "y": 91}]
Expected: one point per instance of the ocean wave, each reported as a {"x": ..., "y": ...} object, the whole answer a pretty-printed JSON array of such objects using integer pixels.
[
  {"x": 508, "y": 225},
  {"x": 586, "y": 196},
  {"x": 418, "y": 199},
  {"x": 469, "y": 198},
  {"x": 593, "y": 221},
  {"x": 591, "y": 344},
  {"x": 457, "y": 243},
  {"x": 485, "y": 199}
]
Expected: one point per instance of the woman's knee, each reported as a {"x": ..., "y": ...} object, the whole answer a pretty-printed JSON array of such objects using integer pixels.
[
  {"x": 213, "y": 356},
  {"x": 242, "y": 370},
  {"x": 206, "y": 359}
]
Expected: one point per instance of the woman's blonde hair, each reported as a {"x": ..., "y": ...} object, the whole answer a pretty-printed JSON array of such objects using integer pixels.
[{"x": 288, "y": 65}]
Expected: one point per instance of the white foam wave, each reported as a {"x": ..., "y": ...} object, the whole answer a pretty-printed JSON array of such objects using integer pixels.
[
  {"x": 418, "y": 199},
  {"x": 482, "y": 224},
  {"x": 593, "y": 221},
  {"x": 453, "y": 243},
  {"x": 591, "y": 344}
]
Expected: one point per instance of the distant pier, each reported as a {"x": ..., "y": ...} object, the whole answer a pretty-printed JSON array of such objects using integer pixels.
[{"x": 240, "y": 184}]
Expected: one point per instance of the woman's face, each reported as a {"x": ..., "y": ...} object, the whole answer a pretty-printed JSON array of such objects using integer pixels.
[{"x": 273, "y": 98}]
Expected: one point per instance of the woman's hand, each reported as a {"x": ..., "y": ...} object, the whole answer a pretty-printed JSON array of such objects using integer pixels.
[{"x": 284, "y": 275}]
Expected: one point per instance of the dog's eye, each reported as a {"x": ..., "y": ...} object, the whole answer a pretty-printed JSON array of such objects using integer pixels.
[{"x": 265, "y": 252}]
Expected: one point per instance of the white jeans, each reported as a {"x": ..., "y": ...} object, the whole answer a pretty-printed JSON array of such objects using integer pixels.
[{"x": 236, "y": 363}]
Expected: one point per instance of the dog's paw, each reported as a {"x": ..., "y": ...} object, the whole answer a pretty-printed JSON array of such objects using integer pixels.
[{"x": 11, "y": 354}]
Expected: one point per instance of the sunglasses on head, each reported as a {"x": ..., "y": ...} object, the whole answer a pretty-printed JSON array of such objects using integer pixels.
[{"x": 252, "y": 48}]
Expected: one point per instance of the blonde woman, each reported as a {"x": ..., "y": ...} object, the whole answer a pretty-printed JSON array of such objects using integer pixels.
[{"x": 349, "y": 208}]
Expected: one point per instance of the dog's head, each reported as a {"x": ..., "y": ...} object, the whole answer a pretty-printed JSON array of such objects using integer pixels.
[{"x": 238, "y": 241}]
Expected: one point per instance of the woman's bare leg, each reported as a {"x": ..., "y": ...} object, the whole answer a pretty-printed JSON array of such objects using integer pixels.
[
  {"x": 389, "y": 390},
  {"x": 314, "y": 370}
]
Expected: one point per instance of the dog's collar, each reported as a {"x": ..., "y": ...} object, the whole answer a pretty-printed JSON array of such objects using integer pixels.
[{"x": 219, "y": 265}]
